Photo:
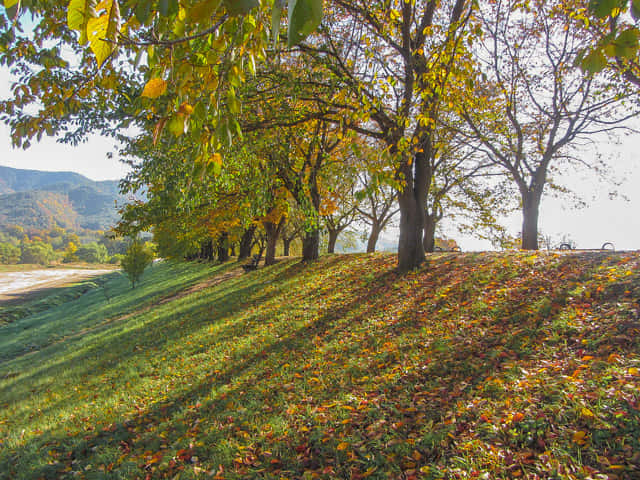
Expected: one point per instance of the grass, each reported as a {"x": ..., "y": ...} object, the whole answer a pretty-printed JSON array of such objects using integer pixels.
[{"x": 475, "y": 366}]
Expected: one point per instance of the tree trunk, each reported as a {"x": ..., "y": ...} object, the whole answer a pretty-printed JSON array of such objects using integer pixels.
[
  {"x": 286, "y": 245},
  {"x": 223, "y": 248},
  {"x": 412, "y": 200},
  {"x": 530, "y": 210},
  {"x": 333, "y": 238},
  {"x": 373, "y": 238},
  {"x": 271, "y": 230},
  {"x": 429, "y": 236},
  {"x": 246, "y": 242},
  {"x": 311, "y": 240},
  {"x": 206, "y": 250},
  {"x": 311, "y": 245}
]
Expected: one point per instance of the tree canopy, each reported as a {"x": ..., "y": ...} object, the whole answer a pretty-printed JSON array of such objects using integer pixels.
[{"x": 229, "y": 126}]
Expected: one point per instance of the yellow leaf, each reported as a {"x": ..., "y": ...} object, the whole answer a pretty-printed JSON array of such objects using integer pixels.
[
  {"x": 102, "y": 31},
  {"x": 578, "y": 437},
  {"x": 342, "y": 446},
  {"x": 78, "y": 14},
  {"x": 154, "y": 88},
  {"x": 633, "y": 371},
  {"x": 587, "y": 413}
]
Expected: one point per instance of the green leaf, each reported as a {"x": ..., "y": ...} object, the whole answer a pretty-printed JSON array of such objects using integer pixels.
[
  {"x": 203, "y": 11},
  {"x": 78, "y": 14},
  {"x": 626, "y": 45},
  {"x": 12, "y": 7},
  {"x": 240, "y": 7},
  {"x": 168, "y": 7},
  {"x": 176, "y": 125},
  {"x": 102, "y": 31},
  {"x": 603, "y": 8},
  {"x": 635, "y": 9},
  {"x": 594, "y": 62},
  {"x": 276, "y": 17},
  {"x": 143, "y": 11},
  {"x": 304, "y": 18}
]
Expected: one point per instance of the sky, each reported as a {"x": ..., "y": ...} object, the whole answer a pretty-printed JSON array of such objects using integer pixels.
[{"x": 603, "y": 220}]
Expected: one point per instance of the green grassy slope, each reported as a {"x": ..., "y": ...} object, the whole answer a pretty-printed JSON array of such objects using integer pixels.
[{"x": 476, "y": 366}]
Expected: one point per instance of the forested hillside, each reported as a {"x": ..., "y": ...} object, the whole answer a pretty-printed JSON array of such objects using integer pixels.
[{"x": 43, "y": 200}]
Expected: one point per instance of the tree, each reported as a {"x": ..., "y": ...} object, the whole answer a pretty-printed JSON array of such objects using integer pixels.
[
  {"x": 390, "y": 63},
  {"x": 136, "y": 259},
  {"x": 36, "y": 252},
  {"x": 535, "y": 103},
  {"x": 92, "y": 253},
  {"x": 616, "y": 41},
  {"x": 9, "y": 254}
]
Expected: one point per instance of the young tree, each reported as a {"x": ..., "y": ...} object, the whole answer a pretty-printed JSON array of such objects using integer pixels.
[{"x": 136, "y": 259}]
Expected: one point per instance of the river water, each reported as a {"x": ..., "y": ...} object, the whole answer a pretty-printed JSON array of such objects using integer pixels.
[{"x": 16, "y": 281}]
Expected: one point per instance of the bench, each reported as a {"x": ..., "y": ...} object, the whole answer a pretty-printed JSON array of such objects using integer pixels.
[
  {"x": 253, "y": 264},
  {"x": 605, "y": 246},
  {"x": 440, "y": 249}
]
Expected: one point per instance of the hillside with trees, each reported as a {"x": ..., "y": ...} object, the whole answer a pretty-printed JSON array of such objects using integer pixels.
[{"x": 37, "y": 199}]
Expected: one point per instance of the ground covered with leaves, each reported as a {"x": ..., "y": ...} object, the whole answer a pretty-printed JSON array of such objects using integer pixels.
[{"x": 492, "y": 365}]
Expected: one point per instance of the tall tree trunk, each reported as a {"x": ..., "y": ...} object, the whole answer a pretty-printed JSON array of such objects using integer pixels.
[
  {"x": 412, "y": 199},
  {"x": 311, "y": 245},
  {"x": 273, "y": 232},
  {"x": 272, "y": 237},
  {"x": 246, "y": 242},
  {"x": 429, "y": 236},
  {"x": 311, "y": 240},
  {"x": 530, "y": 210},
  {"x": 223, "y": 248},
  {"x": 206, "y": 250},
  {"x": 333, "y": 238},
  {"x": 286, "y": 245},
  {"x": 373, "y": 237}
]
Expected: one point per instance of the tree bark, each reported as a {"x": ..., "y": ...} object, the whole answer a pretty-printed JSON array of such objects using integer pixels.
[
  {"x": 206, "y": 250},
  {"x": 286, "y": 245},
  {"x": 246, "y": 242},
  {"x": 272, "y": 237},
  {"x": 273, "y": 232},
  {"x": 223, "y": 248},
  {"x": 311, "y": 246},
  {"x": 530, "y": 211},
  {"x": 311, "y": 240},
  {"x": 412, "y": 199},
  {"x": 373, "y": 238},
  {"x": 429, "y": 236},
  {"x": 333, "y": 238}
]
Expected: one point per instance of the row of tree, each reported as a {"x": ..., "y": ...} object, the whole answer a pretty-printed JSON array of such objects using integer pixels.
[
  {"x": 449, "y": 108},
  {"x": 58, "y": 245}
]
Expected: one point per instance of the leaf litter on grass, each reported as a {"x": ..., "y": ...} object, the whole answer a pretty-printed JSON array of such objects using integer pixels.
[{"x": 496, "y": 365}]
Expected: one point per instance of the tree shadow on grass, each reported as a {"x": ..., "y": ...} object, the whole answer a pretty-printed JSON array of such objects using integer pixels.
[{"x": 256, "y": 404}]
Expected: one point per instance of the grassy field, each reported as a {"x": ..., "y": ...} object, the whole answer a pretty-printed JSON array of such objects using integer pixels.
[{"x": 476, "y": 366}]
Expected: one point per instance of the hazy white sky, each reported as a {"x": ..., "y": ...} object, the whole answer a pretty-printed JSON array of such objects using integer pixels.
[{"x": 605, "y": 220}]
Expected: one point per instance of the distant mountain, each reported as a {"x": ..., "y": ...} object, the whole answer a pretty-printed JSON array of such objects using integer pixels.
[
  {"x": 17, "y": 180},
  {"x": 37, "y": 199}
]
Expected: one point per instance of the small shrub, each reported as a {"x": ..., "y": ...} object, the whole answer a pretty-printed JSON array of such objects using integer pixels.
[{"x": 137, "y": 258}]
